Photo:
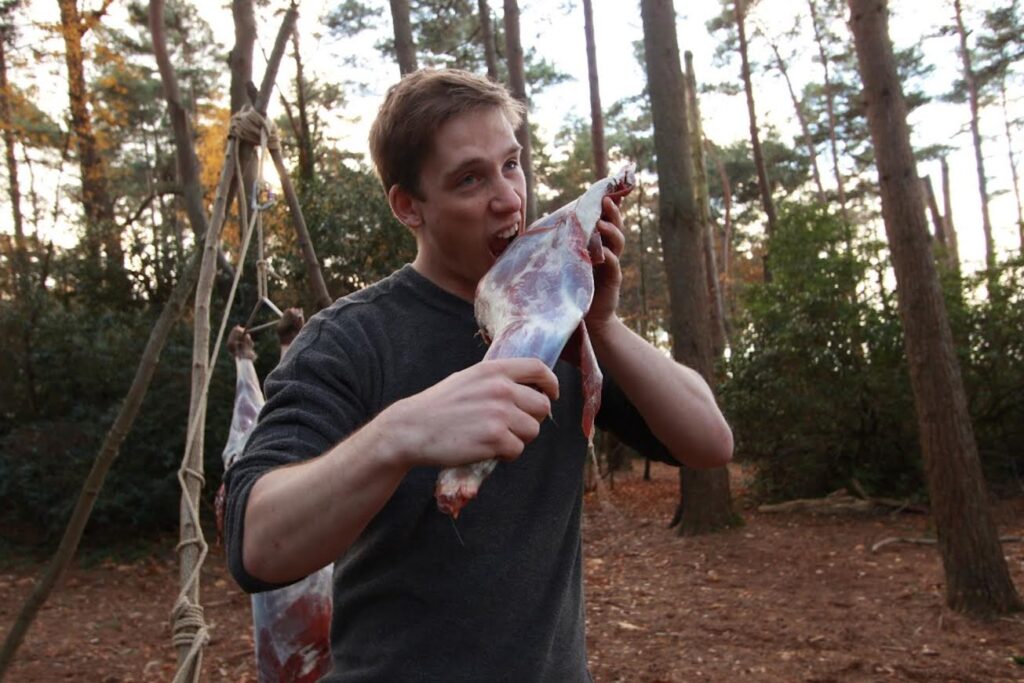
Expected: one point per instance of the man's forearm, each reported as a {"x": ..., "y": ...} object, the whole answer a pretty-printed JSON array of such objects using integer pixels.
[
  {"x": 302, "y": 517},
  {"x": 675, "y": 401}
]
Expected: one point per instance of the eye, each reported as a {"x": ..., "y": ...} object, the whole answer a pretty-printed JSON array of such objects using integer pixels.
[
  {"x": 512, "y": 164},
  {"x": 467, "y": 180}
]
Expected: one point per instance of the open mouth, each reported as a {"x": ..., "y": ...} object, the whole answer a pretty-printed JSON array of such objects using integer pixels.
[{"x": 500, "y": 242}]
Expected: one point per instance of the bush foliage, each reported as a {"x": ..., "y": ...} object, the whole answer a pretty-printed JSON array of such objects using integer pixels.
[
  {"x": 817, "y": 389},
  {"x": 71, "y": 351}
]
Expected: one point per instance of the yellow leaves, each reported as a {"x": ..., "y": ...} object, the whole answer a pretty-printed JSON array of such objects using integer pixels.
[{"x": 211, "y": 130}]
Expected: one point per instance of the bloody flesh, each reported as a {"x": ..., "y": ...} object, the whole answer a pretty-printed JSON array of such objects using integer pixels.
[{"x": 532, "y": 302}]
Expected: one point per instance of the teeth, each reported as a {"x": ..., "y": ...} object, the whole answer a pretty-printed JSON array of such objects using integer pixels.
[{"x": 508, "y": 232}]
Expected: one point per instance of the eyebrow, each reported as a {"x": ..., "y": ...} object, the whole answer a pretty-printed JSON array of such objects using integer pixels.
[{"x": 473, "y": 161}]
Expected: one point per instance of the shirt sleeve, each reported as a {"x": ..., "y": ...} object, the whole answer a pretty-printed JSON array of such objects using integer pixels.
[{"x": 312, "y": 404}]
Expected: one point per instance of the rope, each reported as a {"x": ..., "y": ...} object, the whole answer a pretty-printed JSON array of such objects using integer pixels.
[
  {"x": 248, "y": 125},
  {"x": 257, "y": 207},
  {"x": 188, "y": 625},
  {"x": 189, "y": 629}
]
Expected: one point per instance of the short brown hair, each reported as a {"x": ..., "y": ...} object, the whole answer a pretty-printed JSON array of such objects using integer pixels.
[{"x": 414, "y": 109}]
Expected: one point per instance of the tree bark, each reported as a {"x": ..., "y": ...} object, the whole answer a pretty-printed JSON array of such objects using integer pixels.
[
  {"x": 240, "y": 58},
  {"x": 185, "y": 153},
  {"x": 933, "y": 208},
  {"x": 19, "y": 264},
  {"x": 947, "y": 219},
  {"x": 517, "y": 85},
  {"x": 707, "y": 504},
  {"x": 240, "y": 63},
  {"x": 979, "y": 156},
  {"x": 405, "y": 47},
  {"x": 830, "y": 108},
  {"x": 719, "y": 337},
  {"x": 101, "y": 229},
  {"x": 812, "y": 153},
  {"x": 755, "y": 137},
  {"x": 727, "y": 227},
  {"x": 596, "y": 115},
  {"x": 1014, "y": 175},
  {"x": 645, "y": 315},
  {"x": 487, "y": 37},
  {"x": 977, "y": 579},
  {"x": 304, "y": 134}
]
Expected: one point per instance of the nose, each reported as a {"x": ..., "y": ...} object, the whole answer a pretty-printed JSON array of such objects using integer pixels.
[{"x": 507, "y": 197}]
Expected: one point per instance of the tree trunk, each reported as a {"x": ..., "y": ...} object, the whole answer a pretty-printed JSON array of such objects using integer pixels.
[
  {"x": 933, "y": 208},
  {"x": 517, "y": 85},
  {"x": 101, "y": 229},
  {"x": 19, "y": 263},
  {"x": 240, "y": 64},
  {"x": 1015, "y": 176},
  {"x": 830, "y": 108},
  {"x": 405, "y": 47},
  {"x": 727, "y": 227},
  {"x": 240, "y": 58},
  {"x": 812, "y": 153},
  {"x": 947, "y": 219},
  {"x": 707, "y": 504},
  {"x": 645, "y": 316},
  {"x": 20, "y": 275},
  {"x": 185, "y": 153},
  {"x": 755, "y": 136},
  {"x": 719, "y": 337},
  {"x": 596, "y": 116},
  {"x": 979, "y": 156},
  {"x": 304, "y": 135},
  {"x": 977, "y": 579},
  {"x": 487, "y": 38}
]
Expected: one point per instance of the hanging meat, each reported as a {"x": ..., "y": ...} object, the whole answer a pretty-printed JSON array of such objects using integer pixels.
[
  {"x": 532, "y": 302},
  {"x": 291, "y": 624}
]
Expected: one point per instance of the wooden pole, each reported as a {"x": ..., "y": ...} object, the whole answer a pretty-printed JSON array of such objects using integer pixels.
[{"x": 316, "y": 277}]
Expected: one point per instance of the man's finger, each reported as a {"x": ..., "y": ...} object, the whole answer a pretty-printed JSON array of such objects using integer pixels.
[
  {"x": 611, "y": 236},
  {"x": 610, "y": 212},
  {"x": 531, "y": 372},
  {"x": 532, "y": 401}
]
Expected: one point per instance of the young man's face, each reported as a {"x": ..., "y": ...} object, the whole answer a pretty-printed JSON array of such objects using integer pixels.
[{"x": 474, "y": 198}]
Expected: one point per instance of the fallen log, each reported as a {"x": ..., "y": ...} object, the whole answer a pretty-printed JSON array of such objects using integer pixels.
[
  {"x": 930, "y": 541},
  {"x": 838, "y": 501},
  {"x": 842, "y": 501}
]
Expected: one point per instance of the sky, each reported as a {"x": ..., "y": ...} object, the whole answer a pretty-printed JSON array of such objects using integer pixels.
[{"x": 556, "y": 30}]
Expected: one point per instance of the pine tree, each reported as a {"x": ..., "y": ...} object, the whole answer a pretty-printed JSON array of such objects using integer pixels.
[{"x": 977, "y": 578}]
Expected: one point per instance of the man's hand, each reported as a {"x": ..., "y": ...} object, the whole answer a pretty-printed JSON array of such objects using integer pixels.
[
  {"x": 607, "y": 275},
  {"x": 490, "y": 410}
]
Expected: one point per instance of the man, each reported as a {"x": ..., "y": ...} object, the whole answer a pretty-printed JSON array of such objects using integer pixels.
[{"x": 386, "y": 387}]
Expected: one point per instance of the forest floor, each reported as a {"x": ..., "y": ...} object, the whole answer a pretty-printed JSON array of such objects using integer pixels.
[{"x": 786, "y": 597}]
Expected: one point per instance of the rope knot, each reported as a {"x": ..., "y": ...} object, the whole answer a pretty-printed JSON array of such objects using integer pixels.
[
  {"x": 247, "y": 124},
  {"x": 189, "y": 630}
]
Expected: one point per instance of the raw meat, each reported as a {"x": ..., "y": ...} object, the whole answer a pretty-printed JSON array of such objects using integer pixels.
[{"x": 532, "y": 302}]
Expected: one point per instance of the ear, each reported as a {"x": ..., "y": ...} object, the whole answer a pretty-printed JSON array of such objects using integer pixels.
[{"x": 405, "y": 207}]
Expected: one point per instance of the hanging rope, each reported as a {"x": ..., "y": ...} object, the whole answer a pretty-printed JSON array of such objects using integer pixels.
[{"x": 188, "y": 624}]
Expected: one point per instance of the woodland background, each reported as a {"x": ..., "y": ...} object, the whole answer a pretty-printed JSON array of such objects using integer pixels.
[{"x": 806, "y": 337}]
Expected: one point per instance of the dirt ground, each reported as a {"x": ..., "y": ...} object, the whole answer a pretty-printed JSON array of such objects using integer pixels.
[{"x": 786, "y": 597}]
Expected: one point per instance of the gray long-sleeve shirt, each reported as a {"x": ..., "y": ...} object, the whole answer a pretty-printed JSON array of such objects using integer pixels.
[{"x": 415, "y": 599}]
